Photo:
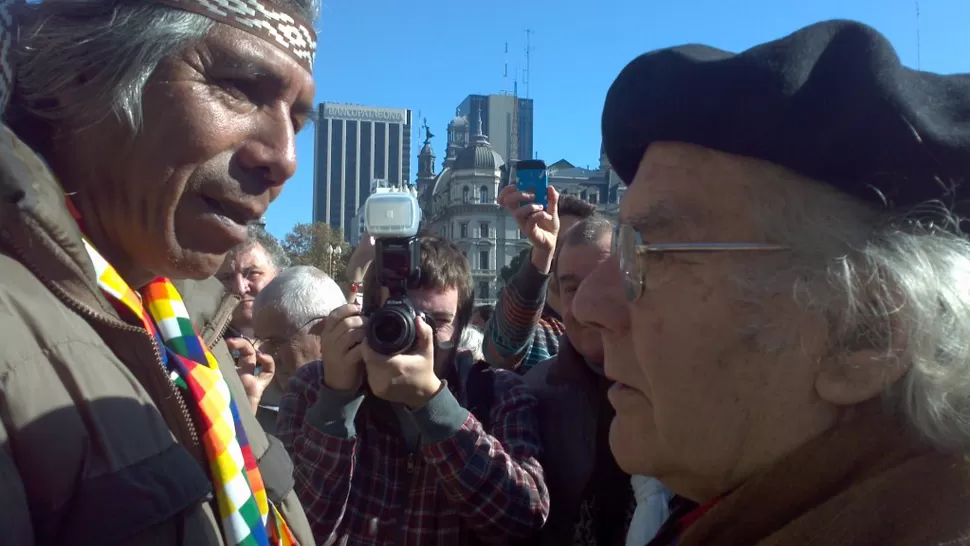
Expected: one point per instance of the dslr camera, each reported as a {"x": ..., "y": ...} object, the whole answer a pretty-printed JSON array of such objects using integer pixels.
[{"x": 393, "y": 218}]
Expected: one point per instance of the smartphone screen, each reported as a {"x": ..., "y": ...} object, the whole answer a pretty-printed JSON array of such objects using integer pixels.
[{"x": 531, "y": 176}]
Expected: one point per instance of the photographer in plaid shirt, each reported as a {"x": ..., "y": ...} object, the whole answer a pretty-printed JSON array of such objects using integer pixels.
[{"x": 384, "y": 449}]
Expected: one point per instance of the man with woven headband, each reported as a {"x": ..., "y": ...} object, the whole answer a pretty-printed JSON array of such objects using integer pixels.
[
  {"x": 786, "y": 311},
  {"x": 161, "y": 129}
]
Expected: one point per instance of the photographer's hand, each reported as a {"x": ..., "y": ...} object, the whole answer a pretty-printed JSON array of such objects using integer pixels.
[
  {"x": 407, "y": 379},
  {"x": 541, "y": 226},
  {"x": 340, "y": 340}
]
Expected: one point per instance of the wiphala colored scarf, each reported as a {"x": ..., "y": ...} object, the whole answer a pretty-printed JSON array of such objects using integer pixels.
[{"x": 246, "y": 515}]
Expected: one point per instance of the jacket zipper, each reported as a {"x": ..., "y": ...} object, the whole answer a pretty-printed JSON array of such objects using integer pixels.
[
  {"x": 216, "y": 339},
  {"x": 92, "y": 314},
  {"x": 228, "y": 322}
]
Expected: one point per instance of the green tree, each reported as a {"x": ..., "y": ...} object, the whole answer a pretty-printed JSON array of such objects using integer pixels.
[
  {"x": 308, "y": 244},
  {"x": 514, "y": 265}
]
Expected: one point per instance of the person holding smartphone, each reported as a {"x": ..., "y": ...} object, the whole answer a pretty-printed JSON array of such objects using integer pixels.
[{"x": 526, "y": 325}]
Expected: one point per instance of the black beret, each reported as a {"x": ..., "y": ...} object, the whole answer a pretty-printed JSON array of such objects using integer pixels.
[{"x": 831, "y": 101}]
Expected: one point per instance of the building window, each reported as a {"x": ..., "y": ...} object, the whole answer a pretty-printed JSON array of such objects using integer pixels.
[
  {"x": 464, "y": 230},
  {"x": 483, "y": 194},
  {"x": 483, "y": 259},
  {"x": 483, "y": 290},
  {"x": 483, "y": 230},
  {"x": 464, "y": 194},
  {"x": 583, "y": 196},
  {"x": 594, "y": 198}
]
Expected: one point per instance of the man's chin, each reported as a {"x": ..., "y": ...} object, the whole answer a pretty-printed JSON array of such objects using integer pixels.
[{"x": 194, "y": 265}]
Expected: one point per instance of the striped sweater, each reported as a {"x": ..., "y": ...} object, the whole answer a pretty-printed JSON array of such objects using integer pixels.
[{"x": 520, "y": 332}]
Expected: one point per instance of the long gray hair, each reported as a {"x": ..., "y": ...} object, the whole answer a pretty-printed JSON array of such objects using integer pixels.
[{"x": 81, "y": 60}]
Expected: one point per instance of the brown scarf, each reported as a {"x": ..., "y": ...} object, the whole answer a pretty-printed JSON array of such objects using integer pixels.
[{"x": 867, "y": 482}]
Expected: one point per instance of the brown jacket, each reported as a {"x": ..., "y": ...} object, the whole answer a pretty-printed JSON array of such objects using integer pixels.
[
  {"x": 867, "y": 483},
  {"x": 96, "y": 445}
]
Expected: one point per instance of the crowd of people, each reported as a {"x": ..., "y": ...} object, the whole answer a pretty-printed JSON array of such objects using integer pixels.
[{"x": 771, "y": 346}]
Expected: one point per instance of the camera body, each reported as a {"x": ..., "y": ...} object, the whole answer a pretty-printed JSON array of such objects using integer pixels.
[{"x": 393, "y": 219}]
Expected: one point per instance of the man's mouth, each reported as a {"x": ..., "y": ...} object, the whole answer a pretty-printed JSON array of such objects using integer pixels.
[{"x": 238, "y": 214}]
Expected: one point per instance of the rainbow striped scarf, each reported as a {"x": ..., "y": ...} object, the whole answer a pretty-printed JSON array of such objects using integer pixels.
[{"x": 247, "y": 516}]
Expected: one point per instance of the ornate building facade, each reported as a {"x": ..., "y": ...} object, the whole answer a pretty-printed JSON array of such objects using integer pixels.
[{"x": 458, "y": 202}]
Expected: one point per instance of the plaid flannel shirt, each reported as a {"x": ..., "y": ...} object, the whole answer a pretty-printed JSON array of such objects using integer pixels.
[
  {"x": 361, "y": 484},
  {"x": 518, "y": 336}
]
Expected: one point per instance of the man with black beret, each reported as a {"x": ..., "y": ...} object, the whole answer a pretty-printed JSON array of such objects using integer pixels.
[{"x": 786, "y": 311}]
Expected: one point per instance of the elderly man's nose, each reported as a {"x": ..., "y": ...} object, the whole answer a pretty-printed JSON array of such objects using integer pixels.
[
  {"x": 239, "y": 285},
  {"x": 599, "y": 300}
]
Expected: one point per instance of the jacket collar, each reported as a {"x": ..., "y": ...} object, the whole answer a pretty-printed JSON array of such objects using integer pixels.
[
  {"x": 38, "y": 229},
  {"x": 210, "y": 307},
  {"x": 843, "y": 462}
]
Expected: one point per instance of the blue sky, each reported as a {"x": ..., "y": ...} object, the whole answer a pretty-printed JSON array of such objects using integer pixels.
[{"x": 428, "y": 55}]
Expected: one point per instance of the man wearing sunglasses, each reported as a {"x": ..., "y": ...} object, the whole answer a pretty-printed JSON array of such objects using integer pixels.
[{"x": 785, "y": 313}]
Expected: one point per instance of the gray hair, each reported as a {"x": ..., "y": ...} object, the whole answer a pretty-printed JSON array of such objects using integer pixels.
[
  {"x": 471, "y": 341},
  {"x": 259, "y": 236},
  {"x": 895, "y": 284},
  {"x": 79, "y": 61},
  {"x": 301, "y": 293}
]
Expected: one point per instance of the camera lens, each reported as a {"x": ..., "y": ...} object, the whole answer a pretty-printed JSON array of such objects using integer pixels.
[{"x": 391, "y": 330}]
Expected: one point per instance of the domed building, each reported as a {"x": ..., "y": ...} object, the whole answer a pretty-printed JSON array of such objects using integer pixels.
[{"x": 459, "y": 204}]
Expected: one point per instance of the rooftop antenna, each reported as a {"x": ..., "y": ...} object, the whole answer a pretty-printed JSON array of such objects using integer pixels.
[
  {"x": 528, "y": 62},
  {"x": 917, "y": 36},
  {"x": 505, "y": 76}
]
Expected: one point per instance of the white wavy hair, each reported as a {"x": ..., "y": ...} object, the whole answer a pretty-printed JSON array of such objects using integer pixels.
[
  {"x": 301, "y": 293},
  {"x": 894, "y": 282},
  {"x": 472, "y": 340}
]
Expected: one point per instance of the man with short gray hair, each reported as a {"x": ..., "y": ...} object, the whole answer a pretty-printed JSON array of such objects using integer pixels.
[{"x": 286, "y": 315}]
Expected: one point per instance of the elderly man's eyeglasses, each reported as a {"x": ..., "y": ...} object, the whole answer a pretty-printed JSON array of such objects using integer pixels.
[
  {"x": 271, "y": 345},
  {"x": 630, "y": 249}
]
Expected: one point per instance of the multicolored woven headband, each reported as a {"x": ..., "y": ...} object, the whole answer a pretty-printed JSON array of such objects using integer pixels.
[{"x": 276, "y": 25}]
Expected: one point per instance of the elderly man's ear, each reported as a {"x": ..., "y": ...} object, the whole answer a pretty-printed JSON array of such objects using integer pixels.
[{"x": 854, "y": 377}]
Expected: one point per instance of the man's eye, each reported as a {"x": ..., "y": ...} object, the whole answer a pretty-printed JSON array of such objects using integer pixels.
[{"x": 237, "y": 89}]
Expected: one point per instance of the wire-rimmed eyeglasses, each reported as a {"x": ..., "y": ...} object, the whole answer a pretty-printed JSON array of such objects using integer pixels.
[
  {"x": 629, "y": 248},
  {"x": 271, "y": 345}
]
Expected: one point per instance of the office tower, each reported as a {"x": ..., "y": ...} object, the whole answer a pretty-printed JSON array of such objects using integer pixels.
[
  {"x": 498, "y": 113},
  {"x": 356, "y": 145}
]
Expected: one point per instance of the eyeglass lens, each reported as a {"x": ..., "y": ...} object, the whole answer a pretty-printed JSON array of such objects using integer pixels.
[{"x": 625, "y": 242}]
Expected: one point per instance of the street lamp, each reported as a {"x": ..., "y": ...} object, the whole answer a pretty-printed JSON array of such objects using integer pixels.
[{"x": 333, "y": 252}]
